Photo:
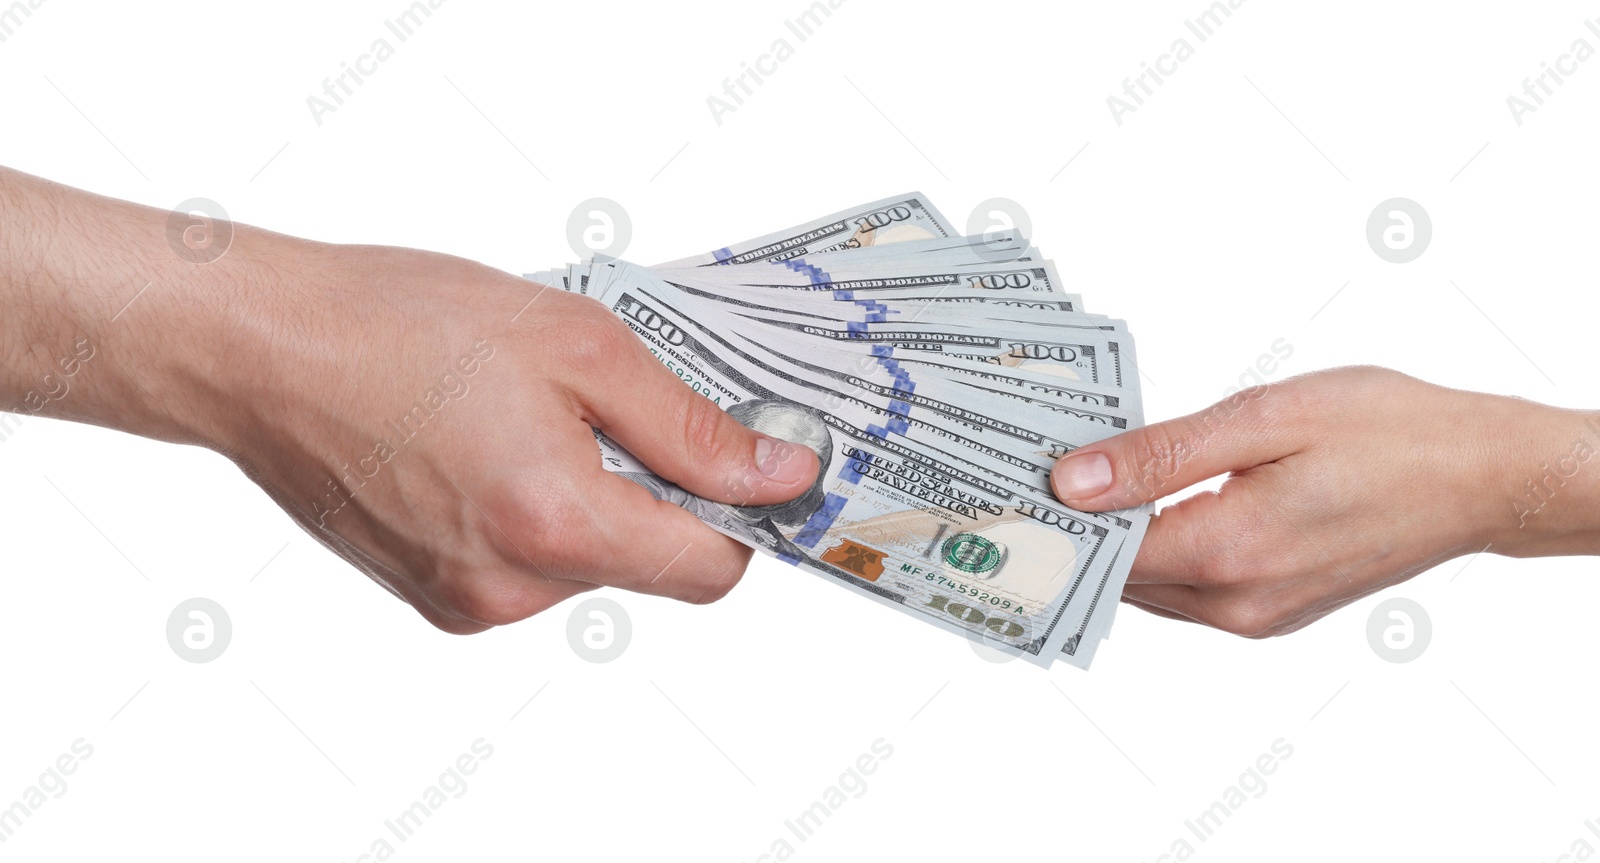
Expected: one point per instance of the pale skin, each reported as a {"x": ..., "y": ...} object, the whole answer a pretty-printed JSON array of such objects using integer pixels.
[
  {"x": 1341, "y": 483},
  {"x": 300, "y": 361}
]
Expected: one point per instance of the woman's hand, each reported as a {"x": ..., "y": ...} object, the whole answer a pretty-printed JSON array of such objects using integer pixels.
[{"x": 1340, "y": 484}]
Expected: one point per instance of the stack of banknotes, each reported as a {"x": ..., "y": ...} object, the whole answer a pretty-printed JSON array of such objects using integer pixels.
[{"x": 937, "y": 377}]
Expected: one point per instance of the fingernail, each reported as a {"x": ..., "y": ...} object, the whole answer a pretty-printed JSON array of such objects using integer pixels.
[
  {"x": 780, "y": 461},
  {"x": 1081, "y": 476}
]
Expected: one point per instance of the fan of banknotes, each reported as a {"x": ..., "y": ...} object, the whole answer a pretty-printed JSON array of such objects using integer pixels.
[{"x": 937, "y": 377}]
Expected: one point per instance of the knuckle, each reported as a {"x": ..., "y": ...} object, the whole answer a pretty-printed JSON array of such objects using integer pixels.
[
  {"x": 1252, "y": 618},
  {"x": 414, "y": 587},
  {"x": 701, "y": 581},
  {"x": 712, "y": 584},
  {"x": 1287, "y": 406},
  {"x": 592, "y": 339},
  {"x": 544, "y": 530},
  {"x": 454, "y": 626},
  {"x": 705, "y": 432},
  {"x": 524, "y": 599},
  {"x": 1253, "y": 407},
  {"x": 1294, "y": 402},
  {"x": 493, "y": 599},
  {"x": 443, "y": 619},
  {"x": 1373, "y": 374},
  {"x": 564, "y": 548},
  {"x": 464, "y": 597},
  {"x": 1157, "y": 455},
  {"x": 1251, "y": 396}
]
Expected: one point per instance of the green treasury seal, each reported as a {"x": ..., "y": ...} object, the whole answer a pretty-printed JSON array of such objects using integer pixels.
[{"x": 970, "y": 552}]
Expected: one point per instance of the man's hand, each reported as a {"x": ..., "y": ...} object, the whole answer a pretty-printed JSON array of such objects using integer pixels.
[
  {"x": 1340, "y": 483},
  {"x": 427, "y": 418},
  {"x": 447, "y": 451}
]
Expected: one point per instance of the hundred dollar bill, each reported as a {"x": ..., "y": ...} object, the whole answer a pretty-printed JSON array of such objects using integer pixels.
[
  {"x": 954, "y": 305},
  {"x": 1090, "y": 628},
  {"x": 1100, "y": 607},
  {"x": 1032, "y": 285},
  {"x": 896, "y": 219},
  {"x": 1021, "y": 434},
  {"x": 1024, "y": 437},
  {"x": 1012, "y": 436},
  {"x": 904, "y": 534},
  {"x": 886, "y": 504},
  {"x": 1007, "y": 245},
  {"x": 1054, "y": 391},
  {"x": 1078, "y": 354},
  {"x": 947, "y": 372},
  {"x": 1069, "y": 403},
  {"x": 1015, "y": 383},
  {"x": 913, "y": 274},
  {"x": 955, "y": 253},
  {"x": 1024, "y": 383},
  {"x": 1008, "y": 394}
]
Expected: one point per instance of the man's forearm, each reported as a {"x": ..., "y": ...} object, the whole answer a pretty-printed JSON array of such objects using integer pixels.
[{"x": 103, "y": 317}]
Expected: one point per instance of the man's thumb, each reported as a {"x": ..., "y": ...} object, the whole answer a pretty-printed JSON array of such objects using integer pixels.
[{"x": 687, "y": 439}]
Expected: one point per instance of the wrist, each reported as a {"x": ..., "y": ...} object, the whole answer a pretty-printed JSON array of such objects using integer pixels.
[{"x": 1552, "y": 487}]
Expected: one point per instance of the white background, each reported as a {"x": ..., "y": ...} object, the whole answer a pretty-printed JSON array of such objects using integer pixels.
[{"x": 1209, "y": 220}]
